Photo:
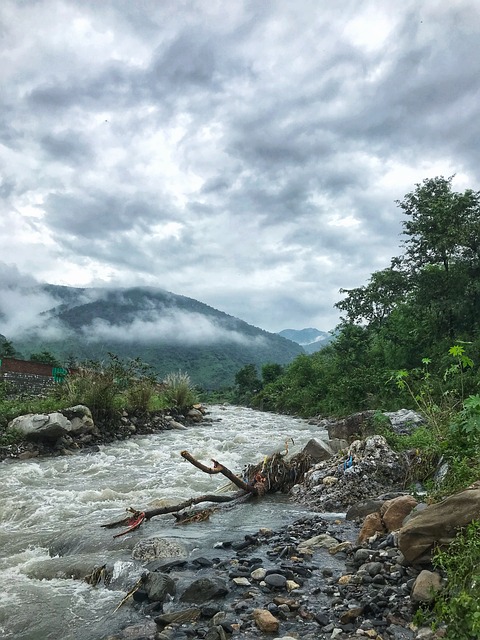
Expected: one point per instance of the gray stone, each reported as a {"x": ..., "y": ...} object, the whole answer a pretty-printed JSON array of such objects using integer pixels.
[
  {"x": 152, "y": 548},
  {"x": 275, "y": 580},
  {"x": 427, "y": 585},
  {"x": 158, "y": 586},
  {"x": 318, "y": 450},
  {"x": 204, "y": 589}
]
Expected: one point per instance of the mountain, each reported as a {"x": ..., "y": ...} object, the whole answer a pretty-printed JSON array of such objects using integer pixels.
[
  {"x": 171, "y": 332},
  {"x": 310, "y": 339}
]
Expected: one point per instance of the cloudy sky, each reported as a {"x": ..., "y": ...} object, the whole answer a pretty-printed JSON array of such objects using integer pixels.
[{"x": 244, "y": 153}]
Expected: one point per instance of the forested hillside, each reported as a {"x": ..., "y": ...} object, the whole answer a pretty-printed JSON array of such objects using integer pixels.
[
  {"x": 168, "y": 331},
  {"x": 413, "y": 327}
]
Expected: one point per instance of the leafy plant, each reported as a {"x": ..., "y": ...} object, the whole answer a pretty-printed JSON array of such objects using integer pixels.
[
  {"x": 458, "y": 604},
  {"x": 178, "y": 390}
]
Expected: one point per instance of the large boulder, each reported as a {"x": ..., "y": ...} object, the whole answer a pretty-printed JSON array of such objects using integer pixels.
[
  {"x": 404, "y": 421},
  {"x": 318, "y": 450},
  {"x": 49, "y": 427},
  {"x": 438, "y": 524},
  {"x": 354, "y": 426},
  {"x": 395, "y": 511}
]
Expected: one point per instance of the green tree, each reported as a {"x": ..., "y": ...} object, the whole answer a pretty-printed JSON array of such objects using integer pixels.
[
  {"x": 45, "y": 357},
  {"x": 7, "y": 350},
  {"x": 270, "y": 372},
  {"x": 247, "y": 380}
]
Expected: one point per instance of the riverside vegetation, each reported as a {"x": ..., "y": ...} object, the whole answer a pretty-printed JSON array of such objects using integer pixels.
[{"x": 411, "y": 335}]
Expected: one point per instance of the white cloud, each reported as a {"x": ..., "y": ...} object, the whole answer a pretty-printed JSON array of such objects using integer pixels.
[{"x": 247, "y": 155}]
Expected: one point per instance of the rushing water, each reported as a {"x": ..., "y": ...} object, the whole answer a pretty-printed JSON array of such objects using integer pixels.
[{"x": 51, "y": 510}]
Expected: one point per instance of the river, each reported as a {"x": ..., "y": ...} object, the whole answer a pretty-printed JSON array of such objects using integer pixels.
[{"x": 51, "y": 509}]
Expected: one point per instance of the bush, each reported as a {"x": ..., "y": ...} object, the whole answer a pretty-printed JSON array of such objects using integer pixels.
[
  {"x": 458, "y": 604},
  {"x": 140, "y": 396},
  {"x": 178, "y": 390}
]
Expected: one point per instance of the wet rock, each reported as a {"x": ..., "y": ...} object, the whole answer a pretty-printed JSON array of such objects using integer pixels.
[
  {"x": 275, "y": 581},
  {"x": 404, "y": 421},
  {"x": 204, "y": 589},
  {"x": 152, "y": 548},
  {"x": 372, "y": 524},
  {"x": 158, "y": 586}
]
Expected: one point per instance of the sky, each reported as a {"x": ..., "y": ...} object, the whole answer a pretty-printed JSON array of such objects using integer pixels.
[{"x": 247, "y": 154}]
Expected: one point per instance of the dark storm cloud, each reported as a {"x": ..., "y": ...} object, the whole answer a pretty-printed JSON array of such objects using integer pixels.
[{"x": 237, "y": 152}]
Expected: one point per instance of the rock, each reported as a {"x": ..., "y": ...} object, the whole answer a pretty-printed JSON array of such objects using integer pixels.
[
  {"x": 74, "y": 421},
  {"x": 81, "y": 419},
  {"x": 318, "y": 450},
  {"x": 204, "y": 589},
  {"x": 265, "y": 621},
  {"x": 275, "y": 580},
  {"x": 323, "y": 540},
  {"x": 153, "y": 548},
  {"x": 40, "y": 426},
  {"x": 338, "y": 444},
  {"x": 395, "y": 511},
  {"x": 404, "y": 421},
  {"x": 352, "y": 426},
  {"x": 173, "y": 424},
  {"x": 438, "y": 524},
  {"x": 158, "y": 586},
  {"x": 351, "y": 615},
  {"x": 195, "y": 414},
  {"x": 258, "y": 574},
  {"x": 371, "y": 525},
  {"x": 292, "y": 585},
  {"x": 242, "y": 582},
  {"x": 427, "y": 585},
  {"x": 362, "y": 509}
]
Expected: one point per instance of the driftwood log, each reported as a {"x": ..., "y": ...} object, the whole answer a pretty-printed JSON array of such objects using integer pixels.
[{"x": 274, "y": 474}]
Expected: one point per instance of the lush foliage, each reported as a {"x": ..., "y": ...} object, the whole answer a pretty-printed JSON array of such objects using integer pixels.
[
  {"x": 425, "y": 302},
  {"x": 458, "y": 604}
]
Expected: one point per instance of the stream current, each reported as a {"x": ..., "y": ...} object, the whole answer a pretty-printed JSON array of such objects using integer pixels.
[{"x": 51, "y": 510}]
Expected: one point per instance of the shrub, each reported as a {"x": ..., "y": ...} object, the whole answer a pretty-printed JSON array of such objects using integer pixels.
[
  {"x": 139, "y": 395},
  {"x": 179, "y": 391},
  {"x": 458, "y": 604}
]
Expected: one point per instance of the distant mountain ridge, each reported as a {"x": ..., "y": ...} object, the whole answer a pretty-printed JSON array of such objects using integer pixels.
[
  {"x": 310, "y": 339},
  {"x": 169, "y": 331}
]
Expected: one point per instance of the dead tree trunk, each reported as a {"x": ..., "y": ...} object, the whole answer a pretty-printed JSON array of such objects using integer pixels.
[{"x": 274, "y": 474}]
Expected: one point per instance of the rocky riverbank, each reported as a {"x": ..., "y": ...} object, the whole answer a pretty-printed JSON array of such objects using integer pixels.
[
  {"x": 309, "y": 580},
  {"x": 71, "y": 430}
]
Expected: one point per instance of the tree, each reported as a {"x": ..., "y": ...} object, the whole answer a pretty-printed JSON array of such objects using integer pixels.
[
  {"x": 247, "y": 380},
  {"x": 270, "y": 372},
  {"x": 45, "y": 357},
  {"x": 7, "y": 350}
]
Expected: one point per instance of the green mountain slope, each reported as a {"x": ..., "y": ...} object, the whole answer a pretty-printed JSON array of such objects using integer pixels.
[{"x": 171, "y": 332}]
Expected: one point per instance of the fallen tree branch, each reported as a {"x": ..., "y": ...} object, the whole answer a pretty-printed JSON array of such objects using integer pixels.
[
  {"x": 273, "y": 474},
  {"x": 220, "y": 468}
]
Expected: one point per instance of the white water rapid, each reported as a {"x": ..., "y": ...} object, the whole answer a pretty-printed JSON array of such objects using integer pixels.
[{"x": 51, "y": 510}]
